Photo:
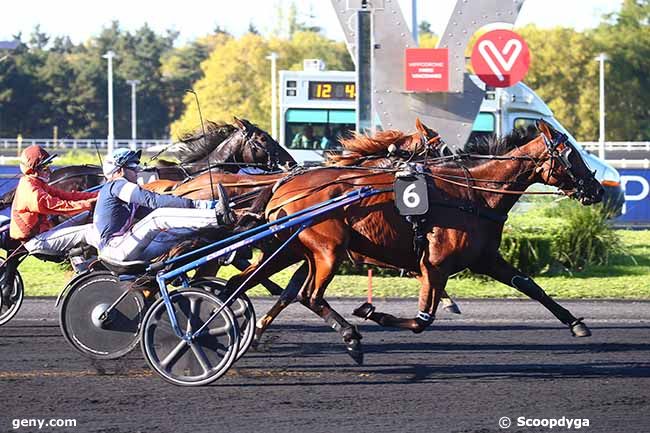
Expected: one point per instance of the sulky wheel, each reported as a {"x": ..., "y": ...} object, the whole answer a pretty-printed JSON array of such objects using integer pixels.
[
  {"x": 11, "y": 300},
  {"x": 90, "y": 328},
  {"x": 242, "y": 309},
  {"x": 179, "y": 360}
]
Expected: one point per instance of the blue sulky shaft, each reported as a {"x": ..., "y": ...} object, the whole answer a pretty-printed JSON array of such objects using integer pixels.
[
  {"x": 356, "y": 194},
  {"x": 303, "y": 218}
]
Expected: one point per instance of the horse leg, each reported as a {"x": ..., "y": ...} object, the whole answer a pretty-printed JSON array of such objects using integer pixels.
[
  {"x": 269, "y": 285},
  {"x": 298, "y": 280},
  {"x": 280, "y": 262},
  {"x": 324, "y": 263},
  {"x": 432, "y": 283},
  {"x": 449, "y": 304},
  {"x": 504, "y": 272}
]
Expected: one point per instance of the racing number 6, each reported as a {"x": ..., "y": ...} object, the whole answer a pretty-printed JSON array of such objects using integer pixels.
[{"x": 410, "y": 196}]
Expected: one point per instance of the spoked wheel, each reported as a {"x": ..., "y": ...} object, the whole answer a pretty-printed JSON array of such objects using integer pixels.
[
  {"x": 179, "y": 360},
  {"x": 11, "y": 301},
  {"x": 242, "y": 309},
  {"x": 93, "y": 331}
]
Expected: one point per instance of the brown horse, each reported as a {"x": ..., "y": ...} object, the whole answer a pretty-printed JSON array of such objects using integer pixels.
[
  {"x": 227, "y": 147},
  {"x": 468, "y": 208}
]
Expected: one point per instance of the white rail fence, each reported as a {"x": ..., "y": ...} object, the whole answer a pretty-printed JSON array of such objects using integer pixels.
[
  {"x": 91, "y": 143},
  {"x": 638, "y": 151}
]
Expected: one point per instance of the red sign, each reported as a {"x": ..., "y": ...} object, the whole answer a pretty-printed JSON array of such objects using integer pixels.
[
  {"x": 500, "y": 58},
  {"x": 427, "y": 70}
]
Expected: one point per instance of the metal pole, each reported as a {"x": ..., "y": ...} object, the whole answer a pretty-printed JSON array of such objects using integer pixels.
[
  {"x": 274, "y": 95},
  {"x": 134, "y": 118},
  {"x": 111, "y": 135},
  {"x": 601, "y": 134},
  {"x": 364, "y": 70},
  {"x": 414, "y": 20}
]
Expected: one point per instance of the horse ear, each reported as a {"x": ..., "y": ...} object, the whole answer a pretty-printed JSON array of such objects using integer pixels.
[
  {"x": 238, "y": 123},
  {"x": 420, "y": 126},
  {"x": 425, "y": 130},
  {"x": 545, "y": 128}
]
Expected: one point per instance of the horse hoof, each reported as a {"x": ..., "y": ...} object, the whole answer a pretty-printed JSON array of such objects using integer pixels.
[
  {"x": 364, "y": 311},
  {"x": 255, "y": 344},
  {"x": 452, "y": 308},
  {"x": 579, "y": 329},
  {"x": 355, "y": 351}
]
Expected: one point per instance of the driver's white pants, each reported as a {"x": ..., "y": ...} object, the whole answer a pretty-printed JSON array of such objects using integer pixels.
[
  {"x": 62, "y": 238},
  {"x": 157, "y": 233}
]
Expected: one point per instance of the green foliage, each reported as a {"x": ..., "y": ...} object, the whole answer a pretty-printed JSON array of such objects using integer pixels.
[
  {"x": 51, "y": 82},
  {"x": 552, "y": 238},
  {"x": 623, "y": 279},
  {"x": 585, "y": 238},
  {"x": 564, "y": 74},
  {"x": 625, "y": 39},
  {"x": 237, "y": 76},
  {"x": 528, "y": 249}
]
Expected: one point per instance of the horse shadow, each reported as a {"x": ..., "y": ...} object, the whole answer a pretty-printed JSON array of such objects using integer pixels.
[{"x": 407, "y": 360}]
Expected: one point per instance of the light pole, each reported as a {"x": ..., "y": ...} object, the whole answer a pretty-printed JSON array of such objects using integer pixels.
[
  {"x": 414, "y": 20},
  {"x": 274, "y": 116},
  {"x": 110, "y": 55},
  {"x": 601, "y": 134},
  {"x": 133, "y": 83}
]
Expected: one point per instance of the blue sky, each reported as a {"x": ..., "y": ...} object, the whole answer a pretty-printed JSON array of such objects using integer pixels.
[{"x": 192, "y": 18}]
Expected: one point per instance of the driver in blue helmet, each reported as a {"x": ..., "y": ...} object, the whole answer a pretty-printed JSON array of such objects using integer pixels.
[{"x": 164, "y": 220}]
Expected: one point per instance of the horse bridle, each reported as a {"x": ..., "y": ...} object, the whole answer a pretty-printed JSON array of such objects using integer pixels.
[
  {"x": 273, "y": 158},
  {"x": 560, "y": 156}
]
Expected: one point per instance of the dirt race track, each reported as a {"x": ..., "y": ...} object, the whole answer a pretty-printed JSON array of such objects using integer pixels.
[{"x": 499, "y": 359}]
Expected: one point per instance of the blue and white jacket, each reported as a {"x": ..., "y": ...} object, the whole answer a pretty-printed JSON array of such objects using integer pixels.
[{"x": 120, "y": 202}]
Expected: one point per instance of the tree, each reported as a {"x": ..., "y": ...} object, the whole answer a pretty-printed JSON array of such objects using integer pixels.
[
  {"x": 236, "y": 83},
  {"x": 181, "y": 68},
  {"x": 426, "y": 37},
  {"x": 237, "y": 78},
  {"x": 565, "y": 78},
  {"x": 625, "y": 38}
]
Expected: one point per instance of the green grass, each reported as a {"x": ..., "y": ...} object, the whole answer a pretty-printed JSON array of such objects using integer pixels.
[{"x": 627, "y": 277}]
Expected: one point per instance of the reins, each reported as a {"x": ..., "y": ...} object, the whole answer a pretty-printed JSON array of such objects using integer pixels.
[{"x": 442, "y": 178}]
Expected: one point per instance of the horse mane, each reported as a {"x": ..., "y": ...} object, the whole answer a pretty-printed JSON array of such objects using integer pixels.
[
  {"x": 493, "y": 145},
  {"x": 362, "y": 145},
  {"x": 192, "y": 148}
]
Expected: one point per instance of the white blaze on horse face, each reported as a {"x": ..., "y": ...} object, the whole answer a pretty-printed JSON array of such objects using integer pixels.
[{"x": 513, "y": 45}]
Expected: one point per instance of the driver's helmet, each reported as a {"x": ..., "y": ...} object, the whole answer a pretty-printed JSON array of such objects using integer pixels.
[
  {"x": 34, "y": 158},
  {"x": 122, "y": 158}
]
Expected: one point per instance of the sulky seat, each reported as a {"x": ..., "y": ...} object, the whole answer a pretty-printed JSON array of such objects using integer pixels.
[{"x": 133, "y": 267}]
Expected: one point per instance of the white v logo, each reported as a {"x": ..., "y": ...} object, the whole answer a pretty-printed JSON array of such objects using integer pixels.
[{"x": 513, "y": 46}]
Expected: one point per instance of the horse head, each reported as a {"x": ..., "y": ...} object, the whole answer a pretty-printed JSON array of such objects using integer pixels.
[
  {"x": 195, "y": 145},
  {"x": 249, "y": 145},
  {"x": 563, "y": 167}
]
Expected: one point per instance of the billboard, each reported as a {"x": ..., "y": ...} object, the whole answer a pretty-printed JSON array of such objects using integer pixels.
[{"x": 636, "y": 184}]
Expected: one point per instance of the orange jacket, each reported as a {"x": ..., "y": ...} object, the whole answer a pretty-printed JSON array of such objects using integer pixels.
[{"x": 35, "y": 200}]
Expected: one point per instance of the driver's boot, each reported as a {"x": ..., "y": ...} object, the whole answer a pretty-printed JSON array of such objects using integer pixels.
[
  {"x": 226, "y": 216},
  {"x": 7, "y": 282}
]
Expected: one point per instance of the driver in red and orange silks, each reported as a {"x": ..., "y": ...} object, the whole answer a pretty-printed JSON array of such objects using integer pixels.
[
  {"x": 33, "y": 203},
  {"x": 35, "y": 200}
]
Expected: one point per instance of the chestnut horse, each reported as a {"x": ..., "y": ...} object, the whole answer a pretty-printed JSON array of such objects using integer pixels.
[
  {"x": 362, "y": 150},
  {"x": 468, "y": 207}
]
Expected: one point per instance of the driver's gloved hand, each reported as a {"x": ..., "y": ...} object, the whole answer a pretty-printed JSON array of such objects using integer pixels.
[
  {"x": 222, "y": 206},
  {"x": 205, "y": 204},
  {"x": 226, "y": 215}
]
